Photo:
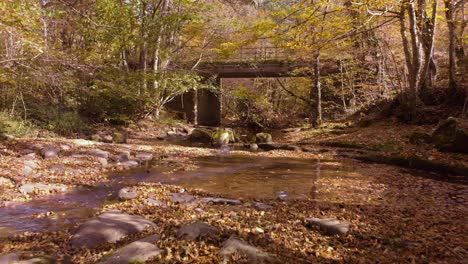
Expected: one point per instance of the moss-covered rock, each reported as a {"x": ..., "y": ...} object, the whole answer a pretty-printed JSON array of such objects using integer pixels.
[
  {"x": 119, "y": 137},
  {"x": 202, "y": 135},
  {"x": 223, "y": 137},
  {"x": 263, "y": 138},
  {"x": 452, "y": 135}
]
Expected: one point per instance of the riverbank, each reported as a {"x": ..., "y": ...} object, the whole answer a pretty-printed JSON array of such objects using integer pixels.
[{"x": 395, "y": 215}]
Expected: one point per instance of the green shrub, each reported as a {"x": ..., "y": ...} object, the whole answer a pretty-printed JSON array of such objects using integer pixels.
[
  {"x": 16, "y": 126},
  {"x": 66, "y": 123}
]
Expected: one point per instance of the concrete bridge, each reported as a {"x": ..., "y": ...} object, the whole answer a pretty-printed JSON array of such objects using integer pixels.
[{"x": 203, "y": 107}]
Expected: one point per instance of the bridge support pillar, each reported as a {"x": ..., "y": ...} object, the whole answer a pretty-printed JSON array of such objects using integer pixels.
[{"x": 208, "y": 107}]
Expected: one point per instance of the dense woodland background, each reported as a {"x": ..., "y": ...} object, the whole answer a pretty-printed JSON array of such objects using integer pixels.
[{"x": 65, "y": 64}]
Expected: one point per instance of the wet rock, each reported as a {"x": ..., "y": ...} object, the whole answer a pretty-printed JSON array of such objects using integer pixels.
[
  {"x": 223, "y": 137},
  {"x": 135, "y": 252},
  {"x": 142, "y": 156},
  {"x": 452, "y": 135},
  {"x": 29, "y": 188},
  {"x": 263, "y": 138},
  {"x": 9, "y": 258},
  {"x": 253, "y": 147},
  {"x": 200, "y": 135},
  {"x": 196, "y": 230},
  {"x": 119, "y": 137},
  {"x": 49, "y": 152},
  {"x": 108, "y": 227},
  {"x": 124, "y": 156},
  {"x": 99, "y": 153},
  {"x": 127, "y": 194},
  {"x": 182, "y": 198},
  {"x": 236, "y": 246},
  {"x": 154, "y": 202},
  {"x": 216, "y": 200},
  {"x": 329, "y": 226},
  {"x": 130, "y": 164},
  {"x": 262, "y": 206}
]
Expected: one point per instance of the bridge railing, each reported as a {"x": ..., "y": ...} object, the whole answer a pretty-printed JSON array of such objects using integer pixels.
[{"x": 254, "y": 54}]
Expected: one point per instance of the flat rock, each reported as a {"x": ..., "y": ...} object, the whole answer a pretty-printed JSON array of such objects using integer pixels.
[
  {"x": 182, "y": 198},
  {"x": 108, "y": 227},
  {"x": 196, "y": 230},
  {"x": 130, "y": 164},
  {"x": 65, "y": 147},
  {"x": 27, "y": 171},
  {"x": 28, "y": 188},
  {"x": 262, "y": 206},
  {"x": 49, "y": 152},
  {"x": 29, "y": 156},
  {"x": 237, "y": 246},
  {"x": 127, "y": 194},
  {"x": 155, "y": 202},
  {"x": 57, "y": 167},
  {"x": 144, "y": 156},
  {"x": 216, "y": 200},
  {"x": 329, "y": 226},
  {"x": 135, "y": 252},
  {"x": 30, "y": 163},
  {"x": 99, "y": 153},
  {"x": 103, "y": 162}
]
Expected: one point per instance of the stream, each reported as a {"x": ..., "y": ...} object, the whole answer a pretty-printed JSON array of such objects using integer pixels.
[{"x": 228, "y": 175}]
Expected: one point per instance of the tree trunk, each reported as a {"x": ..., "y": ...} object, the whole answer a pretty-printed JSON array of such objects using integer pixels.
[
  {"x": 450, "y": 16},
  {"x": 318, "y": 91}
]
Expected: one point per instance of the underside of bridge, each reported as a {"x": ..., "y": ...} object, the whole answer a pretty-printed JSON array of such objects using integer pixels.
[{"x": 203, "y": 107}]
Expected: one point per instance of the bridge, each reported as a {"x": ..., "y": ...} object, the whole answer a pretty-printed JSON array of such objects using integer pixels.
[{"x": 203, "y": 107}]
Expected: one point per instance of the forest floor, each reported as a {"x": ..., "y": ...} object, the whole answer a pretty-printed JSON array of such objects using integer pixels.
[{"x": 395, "y": 215}]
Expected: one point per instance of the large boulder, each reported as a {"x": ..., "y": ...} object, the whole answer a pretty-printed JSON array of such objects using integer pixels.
[
  {"x": 234, "y": 246},
  {"x": 223, "y": 137},
  {"x": 263, "y": 138},
  {"x": 452, "y": 135},
  {"x": 108, "y": 227},
  {"x": 135, "y": 252},
  {"x": 200, "y": 135}
]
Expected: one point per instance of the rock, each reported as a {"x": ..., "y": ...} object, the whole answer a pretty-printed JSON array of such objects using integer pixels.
[
  {"x": 130, "y": 164},
  {"x": 96, "y": 137},
  {"x": 262, "y": 206},
  {"x": 103, "y": 162},
  {"x": 237, "y": 246},
  {"x": 282, "y": 195},
  {"x": 200, "y": 135},
  {"x": 36, "y": 146},
  {"x": 215, "y": 200},
  {"x": 419, "y": 138},
  {"x": 29, "y": 188},
  {"x": 119, "y": 137},
  {"x": 107, "y": 139},
  {"x": 65, "y": 147},
  {"x": 108, "y": 227},
  {"x": 136, "y": 252},
  {"x": 57, "y": 167},
  {"x": 196, "y": 230},
  {"x": 30, "y": 156},
  {"x": 182, "y": 198},
  {"x": 6, "y": 182},
  {"x": 223, "y": 137},
  {"x": 9, "y": 258},
  {"x": 127, "y": 194},
  {"x": 263, "y": 138},
  {"x": 99, "y": 153},
  {"x": 452, "y": 135},
  {"x": 124, "y": 156},
  {"x": 49, "y": 152},
  {"x": 329, "y": 226},
  {"x": 30, "y": 163},
  {"x": 199, "y": 210},
  {"x": 253, "y": 147},
  {"x": 143, "y": 156},
  {"x": 27, "y": 171},
  {"x": 154, "y": 202}
]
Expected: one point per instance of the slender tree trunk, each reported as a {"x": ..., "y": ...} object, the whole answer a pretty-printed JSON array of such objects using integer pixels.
[
  {"x": 450, "y": 16},
  {"x": 318, "y": 90}
]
